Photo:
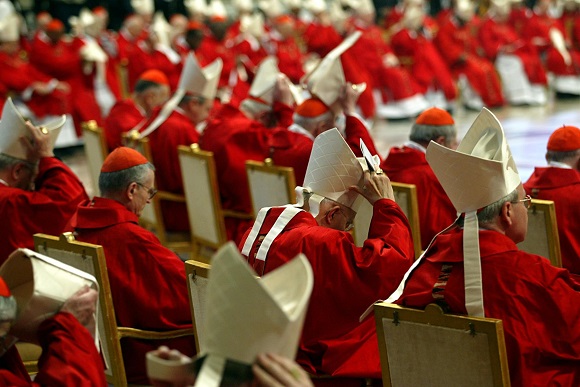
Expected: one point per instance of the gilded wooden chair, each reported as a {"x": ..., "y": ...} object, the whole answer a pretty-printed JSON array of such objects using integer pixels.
[
  {"x": 430, "y": 348},
  {"x": 270, "y": 185},
  {"x": 542, "y": 237},
  {"x": 29, "y": 353},
  {"x": 91, "y": 259},
  {"x": 152, "y": 217},
  {"x": 197, "y": 281},
  {"x": 95, "y": 150},
  {"x": 206, "y": 216}
]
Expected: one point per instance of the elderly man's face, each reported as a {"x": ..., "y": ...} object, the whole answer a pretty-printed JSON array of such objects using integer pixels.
[
  {"x": 142, "y": 193},
  {"x": 519, "y": 213}
]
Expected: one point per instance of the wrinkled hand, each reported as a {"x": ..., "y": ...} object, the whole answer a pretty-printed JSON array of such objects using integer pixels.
[
  {"x": 62, "y": 86},
  {"x": 276, "y": 371},
  {"x": 282, "y": 91},
  {"x": 82, "y": 305},
  {"x": 390, "y": 60},
  {"x": 164, "y": 352},
  {"x": 37, "y": 143},
  {"x": 41, "y": 88},
  {"x": 348, "y": 97},
  {"x": 376, "y": 186}
]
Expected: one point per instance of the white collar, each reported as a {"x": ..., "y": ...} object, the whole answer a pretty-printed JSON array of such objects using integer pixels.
[
  {"x": 3, "y": 182},
  {"x": 559, "y": 165},
  {"x": 416, "y": 146},
  {"x": 300, "y": 130}
]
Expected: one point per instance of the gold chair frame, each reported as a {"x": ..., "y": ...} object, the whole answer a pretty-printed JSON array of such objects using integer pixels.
[
  {"x": 548, "y": 209},
  {"x": 268, "y": 167},
  {"x": 433, "y": 319},
  {"x": 94, "y": 160},
  {"x": 112, "y": 334},
  {"x": 194, "y": 269},
  {"x": 411, "y": 211},
  {"x": 203, "y": 248}
]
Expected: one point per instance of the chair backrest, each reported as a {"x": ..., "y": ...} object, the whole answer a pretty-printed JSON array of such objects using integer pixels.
[
  {"x": 406, "y": 198},
  {"x": 270, "y": 185},
  {"x": 542, "y": 237},
  {"x": 430, "y": 348},
  {"x": 91, "y": 259},
  {"x": 29, "y": 353},
  {"x": 152, "y": 216},
  {"x": 197, "y": 281},
  {"x": 204, "y": 209},
  {"x": 95, "y": 149}
]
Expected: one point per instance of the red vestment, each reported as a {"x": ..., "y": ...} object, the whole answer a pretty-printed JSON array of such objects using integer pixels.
[
  {"x": 290, "y": 58},
  {"x": 123, "y": 117},
  {"x": 418, "y": 54},
  {"x": 408, "y": 165},
  {"x": 369, "y": 51},
  {"x": 537, "y": 303},
  {"x": 347, "y": 279},
  {"x": 147, "y": 280},
  {"x": 563, "y": 187},
  {"x": 176, "y": 130},
  {"x": 16, "y": 74},
  {"x": 210, "y": 49},
  {"x": 69, "y": 357},
  {"x": 58, "y": 191},
  {"x": 459, "y": 47},
  {"x": 496, "y": 36}
]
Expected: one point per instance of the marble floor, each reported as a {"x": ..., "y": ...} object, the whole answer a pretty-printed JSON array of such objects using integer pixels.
[{"x": 527, "y": 129}]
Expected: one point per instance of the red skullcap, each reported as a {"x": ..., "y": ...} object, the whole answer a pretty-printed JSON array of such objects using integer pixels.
[
  {"x": 283, "y": 19},
  {"x": 55, "y": 25},
  {"x": 312, "y": 107},
  {"x": 435, "y": 117},
  {"x": 123, "y": 158},
  {"x": 99, "y": 10},
  {"x": 43, "y": 14},
  {"x": 218, "y": 18},
  {"x": 154, "y": 76},
  {"x": 4, "y": 291},
  {"x": 564, "y": 139},
  {"x": 194, "y": 25}
]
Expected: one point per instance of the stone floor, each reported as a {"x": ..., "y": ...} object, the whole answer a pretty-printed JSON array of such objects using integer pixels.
[{"x": 527, "y": 130}]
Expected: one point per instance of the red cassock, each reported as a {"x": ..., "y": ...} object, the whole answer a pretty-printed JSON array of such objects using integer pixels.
[
  {"x": 210, "y": 49},
  {"x": 321, "y": 39},
  {"x": 409, "y": 166},
  {"x": 176, "y": 130},
  {"x": 123, "y": 117},
  {"x": 147, "y": 280},
  {"x": 539, "y": 26},
  {"x": 290, "y": 58},
  {"x": 369, "y": 50},
  {"x": 69, "y": 357},
  {"x": 16, "y": 74},
  {"x": 537, "y": 303},
  {"x": 495, "y": 35},
  {"x": 563, "y": 187},
  {"x": 347, "y": 279},
  {"x": 461, "y": 50},
  {"x": 418, "y": 54},
  {"x": 45, "y": 210}
]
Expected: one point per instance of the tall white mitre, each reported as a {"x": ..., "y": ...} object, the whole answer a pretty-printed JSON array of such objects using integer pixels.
[
  {"x": 13, "y": 127},
  {"x": 332, "y": 169},
  {"x": 194, "y": 80},
  {"x": 273, "y": 310},
  {"x": 480, "y": 172},
  {"x": 327, "y": 79}
]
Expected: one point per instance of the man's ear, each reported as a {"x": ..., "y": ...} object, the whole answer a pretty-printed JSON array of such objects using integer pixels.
[
  {"x": 130, "y": 190},
  {"x": 440, "y": 140},
  {"x": 18, "y": 171},
  {"x": 506, "y": 214}
]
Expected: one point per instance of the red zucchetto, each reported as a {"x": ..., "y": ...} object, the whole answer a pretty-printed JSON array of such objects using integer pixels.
[
  {"x": 312, "y": 107},
  {"x": 123, "y": 158},
  {"x": 154, "y": 76},
  {"x": 564, "y": 139},
  {"x": 435, "y": 117}
]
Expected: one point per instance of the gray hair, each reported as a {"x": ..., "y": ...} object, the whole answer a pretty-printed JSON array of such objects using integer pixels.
[
  {"x": 7, "y": 162},
  {"x": 195, "y": 97},
  {"x": 425, "y": 133},
  {"x": 309, "y": 123},
  {"x": 111, "y": 183},
  {"x": 562, "y": 157},
  {"x": 489, "y": 213}
]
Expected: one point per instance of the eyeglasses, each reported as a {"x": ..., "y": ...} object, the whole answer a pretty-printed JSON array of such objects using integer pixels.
[
  {"x": 527, "y": 201},
  {"x": 152, "y": 191},
  {"x": 349, "y": 222}
]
